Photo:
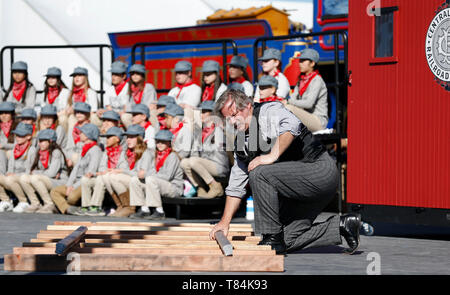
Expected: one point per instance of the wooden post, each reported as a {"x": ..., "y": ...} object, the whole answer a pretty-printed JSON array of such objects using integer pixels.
[
  {"x": 224, "y": 244},
  {"x": 63, "y": 246}
]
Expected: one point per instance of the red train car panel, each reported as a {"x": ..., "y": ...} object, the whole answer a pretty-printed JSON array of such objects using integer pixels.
[{"x": 399, "y": 104}]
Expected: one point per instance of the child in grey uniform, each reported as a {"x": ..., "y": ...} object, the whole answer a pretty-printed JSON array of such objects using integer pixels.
[
  {"x": 211, "y": 161},
  {"x": 18, "y": 163},
  {"x": 165, "y": 178},
  {"x": 48, "y": 170},
  {"x": 237, "y": 72},
  {"x": 49, "y": 120},
  {"x": 29, "y": 116},
  {"x": 116, "y": 96},
  {"x": 74, "y": 144},
  {"x": 309, "y": 100},
  {"x": 7, "y": 125},
  {"x": 135, "y": 160},
  {"x": 21, "y": 91},
  {"x": 55, "y": 92},
  {"x": 67, "y": 196}
]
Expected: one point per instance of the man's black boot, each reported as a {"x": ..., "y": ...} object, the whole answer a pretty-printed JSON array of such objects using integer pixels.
[
  {"x": 349, "y": 228},
  {"x": 276, "y": 241}
]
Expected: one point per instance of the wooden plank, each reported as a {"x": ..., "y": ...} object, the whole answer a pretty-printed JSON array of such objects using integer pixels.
[
  {"x": 146, "y": 232},
  {"x": 155, "y": 245},
  {"x": 142, "y": 241},
  {"x": 155, "y": 251},
  {"x": 144, "y": 228},
  {"x": 63, "y": 246},
  {"x": 224, "y": 244},
  {"x": 127, "y": 223},
  {"x": 145, "y": 262},
  {"x": 59, "y": 235}
]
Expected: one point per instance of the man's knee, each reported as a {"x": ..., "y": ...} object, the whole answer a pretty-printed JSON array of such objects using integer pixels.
[{"x": 258, "y": 173}]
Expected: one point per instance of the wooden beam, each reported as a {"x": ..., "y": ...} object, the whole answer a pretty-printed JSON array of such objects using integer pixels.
[
  {"x": 146, "y": 232},
  {"x": 64, "y": 246},
  {"x": 142, "y": 241},
  {"x": 59, "y": 235},
  {"x": 145, "y": 262},
  {"x": 144, "y": 228},
  {"x": 127, "y": 223}
]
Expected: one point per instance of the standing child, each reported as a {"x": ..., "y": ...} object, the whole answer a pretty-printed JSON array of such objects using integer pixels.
[
  {"x": 116, "y": 96},
  {"x": 135, "y": 160},
  {"x": 309, "y": 101},
  {"x": 55, "y": 92},
  {"x": 93, "y": 189},
  {"x": 48, "y": 170},
  {"x": 271, "y": 65},
  {"x": 67, "y": 196},
  {"x": 186, "y": 92},
  {"x": 211, "y": 161},
  {"x": 7, "y": 125},
  {"x": 164, "y": 179},
  {"x": 237, "y": 72},
  {"x": 18, "y": 163},
  {"x": 212, "y": 86},
  {"x": 21, "y": 91}
]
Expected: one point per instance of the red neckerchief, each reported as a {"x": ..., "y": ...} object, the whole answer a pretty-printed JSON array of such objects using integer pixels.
[
  {"x": 181, "y": 86},
  {"x": 34, "y": 128},
  {"x": 239, "y": 80},
  {"x": 19, "y": 89},
  {"x": 207, "y": 131},
  {"x": 79, "y": 94},
  {"x": 161, "y": 158},
  {"x": 131, "y": 158},
  {"x": 19, "y": 150},
  {"x": 113, "y": 155},
  {"x": 52, "y": 94},
  {"x": 208, "y": 93},
  {"x": 162, "y": 122},
  {"x": 271, "y": 98},
  {"x": 53, "y": 126},
  {"x": 87, "y": 147},
  {"x": 119, "y": 87},
  {"x": 44, "y": 156},
  {"x": 305, "y": 80},
  {"x": 176, "y": 130},
  {"x": 76, "y": 132},
  {"x": 146, "y": 125},
  {"x": 277, "y": 72},
  {"x": 137, "y": 93},
  {"x": 6, "y": 127}
]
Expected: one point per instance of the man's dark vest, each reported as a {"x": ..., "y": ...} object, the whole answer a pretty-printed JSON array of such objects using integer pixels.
[{"x": 303, "y": 148}]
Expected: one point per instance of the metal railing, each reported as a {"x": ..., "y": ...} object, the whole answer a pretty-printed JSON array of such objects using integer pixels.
[
  {"x": 224, "y": 42},
  {"x": 12, "y": 48}
]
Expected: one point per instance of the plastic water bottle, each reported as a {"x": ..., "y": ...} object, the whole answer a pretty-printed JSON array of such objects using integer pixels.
[{"x": 250, "y": 214}]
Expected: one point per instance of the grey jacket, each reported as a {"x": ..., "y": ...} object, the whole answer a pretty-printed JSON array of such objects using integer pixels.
[
  {"x": 22, "y": 164},
  {"x": 184, "y": 143},
  {"x": 5, "y": 145},
  {"x": 71, "y": 147},
  {"x": 314, "y": 100},
  {"x": 26, "y": 102},
  {"x": 3, "y": 162},
  {"x": 56, "y": 166},
  {"x": 171, "y": 171},
  {"x": 87, "y": 164},
  {"x": 148, "y": 96},
  {"x": 144, "y": 163}
]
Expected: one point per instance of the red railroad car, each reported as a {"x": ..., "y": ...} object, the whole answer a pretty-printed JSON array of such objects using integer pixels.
[{"x": 399, "y": 111}]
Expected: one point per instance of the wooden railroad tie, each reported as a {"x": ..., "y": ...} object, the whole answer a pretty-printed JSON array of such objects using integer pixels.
[{"x": 143, "y": 246}]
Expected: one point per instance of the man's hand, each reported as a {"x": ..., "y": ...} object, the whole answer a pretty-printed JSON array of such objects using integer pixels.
[
  {"x": 261, "y": 160},
  {"x": 223, "y": 226}
]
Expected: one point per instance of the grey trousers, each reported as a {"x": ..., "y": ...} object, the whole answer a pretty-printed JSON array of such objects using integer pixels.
[{"x": 288, "y": 196}]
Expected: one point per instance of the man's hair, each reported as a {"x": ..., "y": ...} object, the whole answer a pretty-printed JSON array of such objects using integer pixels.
[{"x": 237, "y": 96}]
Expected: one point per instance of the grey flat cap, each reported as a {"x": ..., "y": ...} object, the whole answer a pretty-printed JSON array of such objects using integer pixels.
[
  {"x": 118, "y": 67},
  {"x": 79, "y": 71},
  {"x": 310, "y": 54},
  {"x": 134, "y": 130},
  {"x": 47, "y": 134},
  {"x": 268, "y": 80},
  {"x": 82, "y": 107},
  {"x": 210, "y": 66},
  {"x": 113, "y": 131},
  {"x": 271, "y": 53},
  {"x": 137, "y": 68},
  {"x": 19, "y": 66},
  {"x": 49, "y": 110},
  {"x": 236, "y": 86},
  {"x": 7, "y": 106},
  {"x": 53, "y": 72},
  {"x": 140, "y": 109},
  {"x": 90, "y": 130},
  {"x": 174, "y": 110},
  {"x": 164, "y": 135},
  {"x": 183, "y": 66},
  {"x": 239, "y": 61},
  {"x": 23, "y": 129},
  {"x": 164, "y": 100},
  {"x": 208, "y": 105},
  {"x": 28, "y": 113},
  {"x": 111, "y": 115}
]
